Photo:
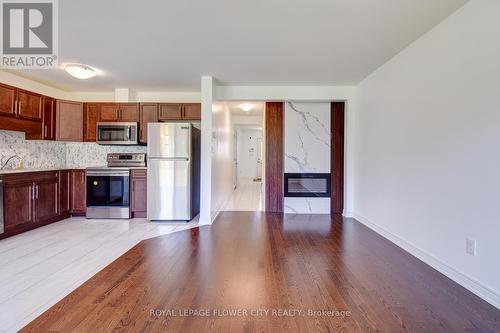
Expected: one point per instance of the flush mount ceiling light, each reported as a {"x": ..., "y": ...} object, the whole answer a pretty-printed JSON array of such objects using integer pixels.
[
  {"x": 247, "y": 107},
  {"x": 80, "y": 71}
]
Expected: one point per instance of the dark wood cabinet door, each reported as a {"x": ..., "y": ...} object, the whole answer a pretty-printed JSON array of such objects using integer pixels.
[
  {"x": 49, "y": 118},
  {"x": 78, "y": 192},
  {"x": 129, "y": 112},
  {"x": 109, "y": 112},
  {"x": 46, "y": 199},
  {"x": 69, "y": 121},
  {"x": 148, "y": 114},
  {"x": 91, "y": 117},
  {"x": 192, "y": 111},
  {"x": 7, "y": 100},
  {"x": 29, "y": 105},
  {"x": 138, "y": 200},
  {"x": 170, "y": 111},
  {"x": 18, "y": 203},
  {"x": 64, "y": 192}
]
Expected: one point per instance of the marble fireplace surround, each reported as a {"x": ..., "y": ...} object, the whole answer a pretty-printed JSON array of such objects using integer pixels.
[
  {"x": 307, "y": 150},
  {"x": 36, "y": 154}
]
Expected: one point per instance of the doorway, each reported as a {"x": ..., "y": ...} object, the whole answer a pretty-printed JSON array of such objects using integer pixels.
[{"x": 248, "y": 159}]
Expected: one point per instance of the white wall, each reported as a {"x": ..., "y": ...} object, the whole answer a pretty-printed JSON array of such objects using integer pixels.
[
  {"x": 427, "y": 136},
  {"x": 222, "y": 157}
]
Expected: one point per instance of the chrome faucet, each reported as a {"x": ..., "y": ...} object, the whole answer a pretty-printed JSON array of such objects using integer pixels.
[{"x": 8, "y": 160}]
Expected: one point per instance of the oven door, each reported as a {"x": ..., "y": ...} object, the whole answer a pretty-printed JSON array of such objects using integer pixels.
[
  {"x": 108, "y": 189},
  {"x": 117, "y": 133}
]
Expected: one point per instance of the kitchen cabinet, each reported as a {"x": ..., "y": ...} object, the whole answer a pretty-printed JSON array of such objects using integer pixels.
[
  {"x": 18, "y": 202},
  {"x": 91, "y": 116},
  {"x": 29, "y": 105},
  {"x": 64, "y": 193},
  {"x": 46, "y": 197},
  {"x": 78, "y": 192},
  {"x": 138, "y": 195},
  {"x": 69, "y": 121},
  {"x": 48, "y": 118},
  {"x": 148, "y": 114},
  {"x": 119, "y": 112},
  {"x": 31, "y": 199},
  {"x": 192, "y": 111},
  {"x": 109, "y": 112},
  {"x": 170, "y": 111},
  {"x": 21, "y": 110},
  {"x": 129, "y": 112},
  {"x": 176, "y": 111},
  {"x": 7, "y": 100}
]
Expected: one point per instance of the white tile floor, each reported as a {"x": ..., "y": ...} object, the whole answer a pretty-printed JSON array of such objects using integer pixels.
[
  {"x": 40, "y": 267},
  {"x": 248, "y": 196}
]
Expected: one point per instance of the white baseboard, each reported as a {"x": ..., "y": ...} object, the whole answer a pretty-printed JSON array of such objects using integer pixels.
[{"x": 489, "y": 295}]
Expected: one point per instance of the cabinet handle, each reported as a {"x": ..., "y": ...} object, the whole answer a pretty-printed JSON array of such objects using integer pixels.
[
  {"x": 15, "y": 106},
  {"x": 36, "y": 191},
  {"x": 20, "y": 106},
  {"x": 33, "y": 192},
  {"x": 45, "y": 131},
  {"x": 183, "y": 111}
]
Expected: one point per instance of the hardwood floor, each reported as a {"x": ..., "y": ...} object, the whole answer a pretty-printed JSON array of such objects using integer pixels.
[{"x": 262, "y": 261}]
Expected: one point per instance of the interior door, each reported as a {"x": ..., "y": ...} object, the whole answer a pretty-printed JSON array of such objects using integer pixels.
[
  {"x": 169, "y": 189},
  {"x": 258, "y": 148}
]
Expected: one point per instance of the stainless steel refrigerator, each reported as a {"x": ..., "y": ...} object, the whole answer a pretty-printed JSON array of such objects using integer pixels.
[{"x": 173, "y": 171}]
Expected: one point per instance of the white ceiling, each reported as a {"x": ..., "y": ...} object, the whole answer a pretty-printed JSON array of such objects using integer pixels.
[
  {"x": 234, "y": 107},
  {"x": 168, "y": 45}
]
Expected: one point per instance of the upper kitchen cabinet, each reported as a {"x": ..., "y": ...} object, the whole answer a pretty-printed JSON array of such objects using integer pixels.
[
  {"x": 48, "y": 118},
  {"x": 148, "y": 114},
  {"x": 7, "y": 100},
  {"x": 21, "y": 110},
  {"x": 109, "y": 112},
  {"x": 170, "y": 111},
  {"x": 177, "y": 111},
  {"x": 69, "y": 121},
  {"x": 123, "y": 112},
  {"x": 192, "y": 111},
  {"x": 129, "y": 112},
  {"x": 29, "y": 105},
  {"x": 91, "y": 115}
]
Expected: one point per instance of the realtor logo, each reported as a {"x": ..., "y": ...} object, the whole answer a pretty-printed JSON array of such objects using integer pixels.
[{"x": 29, "y": 33}]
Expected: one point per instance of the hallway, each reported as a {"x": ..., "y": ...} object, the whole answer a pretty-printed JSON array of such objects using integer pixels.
[{"x": 247, "y": 197}]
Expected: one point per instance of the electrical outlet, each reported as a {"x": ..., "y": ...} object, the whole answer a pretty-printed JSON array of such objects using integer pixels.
[{"x": 470, "y": 246}]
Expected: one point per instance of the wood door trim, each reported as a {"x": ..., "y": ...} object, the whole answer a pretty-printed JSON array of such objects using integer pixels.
[
  {"x": 337, "y": 157},
  {"x": 273, "y": 131}
]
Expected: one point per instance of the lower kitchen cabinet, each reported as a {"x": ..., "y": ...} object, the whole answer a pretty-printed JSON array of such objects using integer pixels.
[
  {"x": 46, "y": 197},
  {"x": 33, "y": 199},
  {"x": 138, "y": 191},
  {"x": 78, "y": 192},
  {"x": 18, "y": 203},
  {"x": 64, "y": 207}
]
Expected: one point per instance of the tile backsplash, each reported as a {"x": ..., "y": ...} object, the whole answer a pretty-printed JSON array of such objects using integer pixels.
[{"x": 53, "y": 154}]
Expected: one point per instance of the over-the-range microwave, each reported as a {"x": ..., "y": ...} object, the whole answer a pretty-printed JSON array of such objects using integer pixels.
[{"x": 117, "y": 133}]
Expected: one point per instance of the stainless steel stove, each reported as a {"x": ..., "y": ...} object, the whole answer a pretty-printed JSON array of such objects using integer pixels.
[{"x": 108, "y": 188}]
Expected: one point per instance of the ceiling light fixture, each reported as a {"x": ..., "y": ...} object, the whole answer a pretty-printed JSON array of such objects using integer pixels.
[
  {"x": 80, "y": 71},
  {"x": 247, "y": 107}
]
